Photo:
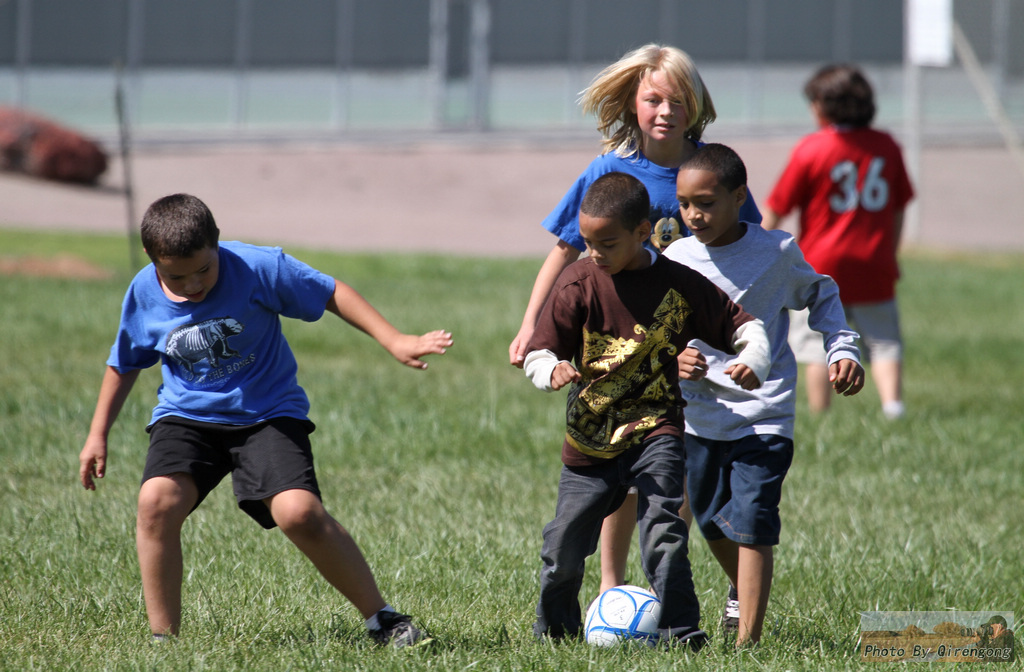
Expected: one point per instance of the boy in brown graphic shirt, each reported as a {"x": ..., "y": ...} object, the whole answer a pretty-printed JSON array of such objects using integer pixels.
[{"x": 624, "y": 315}]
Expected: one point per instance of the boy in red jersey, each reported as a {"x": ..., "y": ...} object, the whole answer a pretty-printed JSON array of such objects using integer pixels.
[{"x": 850, "y": 184}]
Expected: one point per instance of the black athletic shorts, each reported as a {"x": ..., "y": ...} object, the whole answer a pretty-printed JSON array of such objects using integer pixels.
[{"x": 263, "y": 459}]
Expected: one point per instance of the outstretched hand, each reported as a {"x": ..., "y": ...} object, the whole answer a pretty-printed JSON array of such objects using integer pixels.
[
  {"x": 409, "y": 348},
  {"x": 847, "y": 377}
]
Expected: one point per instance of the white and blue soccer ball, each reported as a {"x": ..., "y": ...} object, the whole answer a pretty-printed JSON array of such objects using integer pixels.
[{"x": 623, "y": 613}]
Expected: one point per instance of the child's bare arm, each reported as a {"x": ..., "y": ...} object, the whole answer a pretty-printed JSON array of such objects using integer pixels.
[
  {"x": 897, "y": 229},
  {"x": 561, "y": 255},
  {"x": 114, "y": 390},
  {"x": 349, "y": 305},
  {"x": 847, "y": 377}
]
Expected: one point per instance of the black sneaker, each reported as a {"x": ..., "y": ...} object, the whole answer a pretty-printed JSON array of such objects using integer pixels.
[
  {"x": 694, "y": 640},
  {"x": 731, "y": 614},
  {"x": 397, "y": 630}
]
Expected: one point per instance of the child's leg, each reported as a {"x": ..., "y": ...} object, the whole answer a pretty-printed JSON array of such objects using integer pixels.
[
  {"x": 726, "y": 551},
  {"x": 757, "y": 468},
  {"x": 819, "y": 391},
  {"x": 809, "y": 350},
  {"x": 164, "y": 503},
  {"x": 707, "y": 491},
  {"x": 616, "y": 538},
  {"x": 754, "y": 583},
  {"x": 660, "y": 472},
  {"x": 585, "y": 496},
  {"x": 879, "y": 326},
  {"x": 685, "y": 512},
  {"x": 301, "y": 516},
  {"x": 749, "y": 568},
  {"x": 888, "y": 375}
]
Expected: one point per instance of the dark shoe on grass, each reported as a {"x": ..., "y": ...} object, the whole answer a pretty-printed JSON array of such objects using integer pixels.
[
  {"x": 693, "y": 640},
  {"x": 397, "y": 630}
]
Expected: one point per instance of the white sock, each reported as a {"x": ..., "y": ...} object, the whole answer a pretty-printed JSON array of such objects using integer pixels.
[
  {"x": 372, "y": 623},
  {"x": 893, "y": 409}
]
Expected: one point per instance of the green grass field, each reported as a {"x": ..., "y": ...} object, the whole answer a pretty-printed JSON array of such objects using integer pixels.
[{"x": 446, "y": 477}]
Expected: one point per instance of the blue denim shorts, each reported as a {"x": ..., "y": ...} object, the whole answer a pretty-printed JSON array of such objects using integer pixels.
[{"x": 735, "y": 486}]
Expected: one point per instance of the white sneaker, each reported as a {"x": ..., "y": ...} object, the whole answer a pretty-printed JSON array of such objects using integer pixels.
[{"x": 731, "y": 613}]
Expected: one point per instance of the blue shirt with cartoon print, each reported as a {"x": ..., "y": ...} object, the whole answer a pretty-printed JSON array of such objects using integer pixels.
[{"x": 225, "y": 359}]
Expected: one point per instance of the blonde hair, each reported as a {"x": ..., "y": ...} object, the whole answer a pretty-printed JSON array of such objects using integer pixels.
[{"x": 613, "y": 91}]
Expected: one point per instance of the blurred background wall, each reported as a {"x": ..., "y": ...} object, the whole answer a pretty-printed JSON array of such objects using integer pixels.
[{"x": 196, "y": 70}]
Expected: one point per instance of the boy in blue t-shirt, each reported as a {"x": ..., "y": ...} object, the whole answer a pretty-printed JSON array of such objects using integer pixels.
[{"x": 230, "y": 402}]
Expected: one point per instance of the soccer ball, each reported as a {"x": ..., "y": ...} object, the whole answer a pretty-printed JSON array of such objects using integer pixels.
[{"x": 623, "y": 613}]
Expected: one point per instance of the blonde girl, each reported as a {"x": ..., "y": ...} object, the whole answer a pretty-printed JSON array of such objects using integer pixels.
[{"x": 652, "y": 108}]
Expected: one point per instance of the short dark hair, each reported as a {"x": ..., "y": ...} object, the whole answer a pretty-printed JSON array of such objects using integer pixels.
[
  {"x": 843, "y": 94},
  {"x": 723, "y": 161},
  {"x": 618, "y": 196},
  {"x": 178, "y": 226}
]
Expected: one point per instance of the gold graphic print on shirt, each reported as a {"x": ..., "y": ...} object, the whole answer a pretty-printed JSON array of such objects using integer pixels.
[{"x": 624, "y": 390}]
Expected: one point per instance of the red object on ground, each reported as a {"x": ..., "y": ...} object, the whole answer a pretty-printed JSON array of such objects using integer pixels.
[{"x": 42, "y": 148}]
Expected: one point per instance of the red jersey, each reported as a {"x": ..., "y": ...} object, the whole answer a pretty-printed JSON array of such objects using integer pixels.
[{"x": 848, "y": 184}]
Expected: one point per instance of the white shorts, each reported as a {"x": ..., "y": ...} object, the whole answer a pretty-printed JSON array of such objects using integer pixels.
[{"x": 877, "y": 323}]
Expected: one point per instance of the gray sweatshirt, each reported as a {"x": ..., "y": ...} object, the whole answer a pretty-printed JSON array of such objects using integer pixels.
[{"x": 765, "y": 272}]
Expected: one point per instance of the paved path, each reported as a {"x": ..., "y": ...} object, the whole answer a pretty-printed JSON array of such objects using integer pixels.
[{"x": 462, "y": 197}]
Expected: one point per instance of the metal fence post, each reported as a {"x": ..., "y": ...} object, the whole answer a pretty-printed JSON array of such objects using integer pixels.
[
  {"x": 757, "y": 51},
  {"x": 912, "y": 118},
  {"x": 438, "y": 63},
  {"x": 135, "y": 25},
  {"x": 243, "y": 28},
  {"x": 576, "y": 51},
  {"x": 23, "y": 51},
  {"x": 479, "y": 63},
  {"x": 344, "y": 50}
]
